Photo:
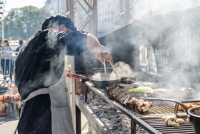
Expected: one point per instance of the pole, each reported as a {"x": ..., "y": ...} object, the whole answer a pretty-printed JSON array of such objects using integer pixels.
[
  {"x": 112, "y": 21},
  {"x": 2, "y": 22},
  {"x": 2, "y": 29}
]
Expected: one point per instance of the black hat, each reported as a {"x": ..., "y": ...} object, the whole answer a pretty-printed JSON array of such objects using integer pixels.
[{"x": 60, "y": 20}]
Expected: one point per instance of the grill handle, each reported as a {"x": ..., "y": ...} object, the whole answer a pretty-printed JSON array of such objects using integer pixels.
[{"x": 170, "y": 100}]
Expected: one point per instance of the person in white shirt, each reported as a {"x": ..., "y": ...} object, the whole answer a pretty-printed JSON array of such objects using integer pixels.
[{"x": 6, "y": 61}]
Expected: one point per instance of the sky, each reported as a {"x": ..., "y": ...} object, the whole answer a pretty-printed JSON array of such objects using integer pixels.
[{"x": 21, "y": 3}]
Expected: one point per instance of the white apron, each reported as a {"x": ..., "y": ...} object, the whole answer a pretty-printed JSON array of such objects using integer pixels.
[{"x": 60, "y": 106}]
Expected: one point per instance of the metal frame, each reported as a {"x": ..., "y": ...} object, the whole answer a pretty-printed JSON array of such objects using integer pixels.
[
  {"x": 96, "y": 123},
  {"x": 125, "y": 14},
  {"x": 92, "y": 17}
]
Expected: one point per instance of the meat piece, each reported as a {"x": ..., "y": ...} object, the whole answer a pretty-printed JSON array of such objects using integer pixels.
[
  {"x": 139, "y": 105},
  {"x": 131, "y": 102},
  {"x": 142, "y": 106},
  {"x": 118, "y": 93},
  {"x": 114, "y": 91},
  {"x": 126, "y": 99},
  {"x": 122, "y": 97},
  {"x": 188, "y": 105}
]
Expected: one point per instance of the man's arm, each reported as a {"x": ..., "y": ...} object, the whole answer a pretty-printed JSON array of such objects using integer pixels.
[{"x": 94, "y": 46}]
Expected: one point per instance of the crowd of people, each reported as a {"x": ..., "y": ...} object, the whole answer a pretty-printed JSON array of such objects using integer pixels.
[{"x": 7, "y": 62}]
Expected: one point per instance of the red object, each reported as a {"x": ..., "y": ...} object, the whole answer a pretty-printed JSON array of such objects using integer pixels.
[{"x": 69, "y": 74}]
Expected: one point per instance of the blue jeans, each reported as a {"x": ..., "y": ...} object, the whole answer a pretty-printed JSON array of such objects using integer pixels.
[{"x": 7, "y": 65}]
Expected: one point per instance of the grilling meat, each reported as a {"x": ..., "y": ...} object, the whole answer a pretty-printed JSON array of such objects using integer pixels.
[
  {"x": 138, "y": 105},
  {"x": 188, "y": 105}
]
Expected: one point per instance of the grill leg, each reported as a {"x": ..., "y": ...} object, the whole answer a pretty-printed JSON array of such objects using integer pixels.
[
  {"x": 133, "y": 126},
  {"x": 78, "y": 121},
  {"x": 86, "y": 91}
]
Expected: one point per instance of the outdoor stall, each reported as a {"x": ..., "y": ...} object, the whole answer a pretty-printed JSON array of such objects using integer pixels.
[{"x": 160, "y": 95}]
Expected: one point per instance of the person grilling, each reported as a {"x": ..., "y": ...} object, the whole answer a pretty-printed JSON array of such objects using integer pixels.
[{"x": 41, "y": 79}]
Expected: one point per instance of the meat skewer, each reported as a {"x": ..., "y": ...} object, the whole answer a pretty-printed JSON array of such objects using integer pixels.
[{"x": 138, "y": 105}]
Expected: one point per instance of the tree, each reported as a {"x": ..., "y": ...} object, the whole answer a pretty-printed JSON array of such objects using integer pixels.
[{"x": 22, "y": 23}]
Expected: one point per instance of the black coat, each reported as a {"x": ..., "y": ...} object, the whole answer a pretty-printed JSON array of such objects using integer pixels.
[{"x": 40, "y": 64}]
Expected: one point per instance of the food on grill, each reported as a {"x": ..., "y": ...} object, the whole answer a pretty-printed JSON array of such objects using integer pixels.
[
  {"x": 171, "y": 122},
  {"x": 139, "y": 105},
  {"x": 179, "y": 120},
  {"x": 141, "y": 89},
  {"x": 188, "y": 105},
  {"x": 157, "y": 92},
  {"x": 171, "y": 92}
]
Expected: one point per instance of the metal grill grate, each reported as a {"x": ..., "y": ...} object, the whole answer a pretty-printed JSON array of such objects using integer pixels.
[
  {"x": 159, "y": 125},
  {"x": 162, "y": 107}
]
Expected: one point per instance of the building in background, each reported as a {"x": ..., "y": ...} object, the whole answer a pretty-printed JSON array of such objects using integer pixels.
[
  {"x": 50, "y": 6},
  {"x": 109, "y": 11},
  {"x": 2, "y": 6},
  {"x": 108, "y": 16},
  {"x": 56, "y": 6},
  {"x": 147, "y": 8}
]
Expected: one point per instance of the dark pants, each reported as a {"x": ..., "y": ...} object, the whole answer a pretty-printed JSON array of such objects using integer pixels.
[{"x": 7, "y": 65}]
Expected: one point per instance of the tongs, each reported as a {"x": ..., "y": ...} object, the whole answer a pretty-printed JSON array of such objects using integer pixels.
[
  {"x": 111, "y": 66},
  {"x": 104, "y": 53}
]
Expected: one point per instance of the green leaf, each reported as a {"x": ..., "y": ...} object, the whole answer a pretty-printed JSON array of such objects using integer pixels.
[{"x": 141, "y": 89}]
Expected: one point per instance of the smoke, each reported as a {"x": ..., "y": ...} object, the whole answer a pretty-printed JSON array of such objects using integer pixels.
[
  {"x": 172, "y": 28},
  {"x": 54, "y": 58},
  {"x": 123, "y": 70}
]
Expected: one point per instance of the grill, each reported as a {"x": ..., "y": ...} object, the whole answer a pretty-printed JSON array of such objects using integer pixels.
[
  {"x": 159, "y": 125},
  {"x": 162, "y": 107},
  {"x": 151, "y": 122}
]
